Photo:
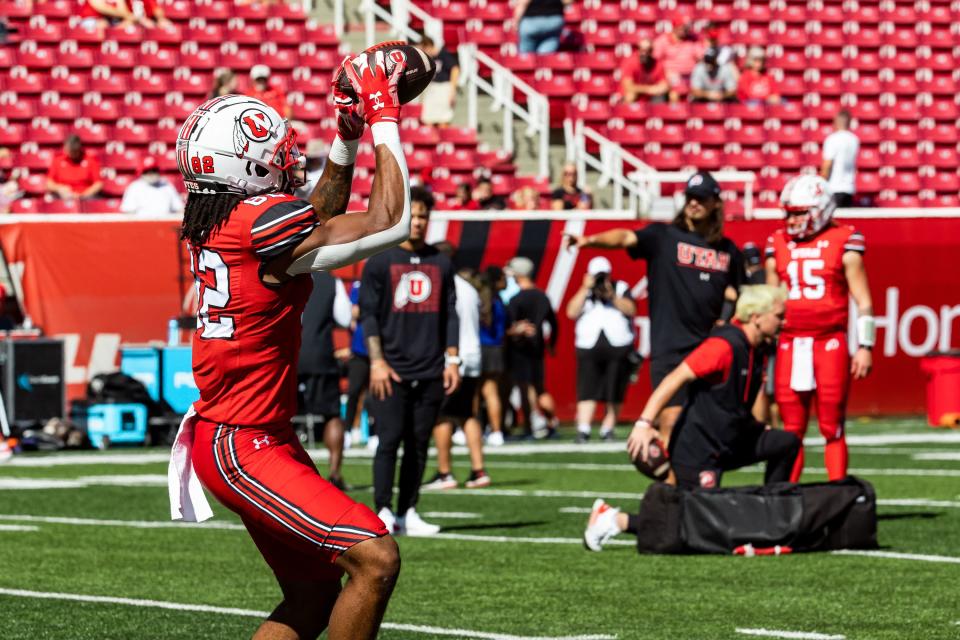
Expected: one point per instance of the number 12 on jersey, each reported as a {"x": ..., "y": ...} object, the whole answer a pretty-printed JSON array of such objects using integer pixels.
[
  {"x": 212, "y": 298},
  {"x": 804, "y": 283}
]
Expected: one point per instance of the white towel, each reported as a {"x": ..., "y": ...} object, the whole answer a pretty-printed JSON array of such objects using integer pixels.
[
  {"x": 187, "y": 501},
  {"x": 801, "y": 375}
]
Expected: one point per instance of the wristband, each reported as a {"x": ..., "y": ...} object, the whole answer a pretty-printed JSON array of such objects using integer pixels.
[
  {"x": 344, "y": 152},
  {"x": 452, "y": 360},
  {"x": 642, "y": 421},
  {"x": 866, "y": 331}
]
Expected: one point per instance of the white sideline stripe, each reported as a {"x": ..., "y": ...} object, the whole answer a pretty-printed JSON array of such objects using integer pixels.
[
  {"x": 18, "y": 527},
  {"x": 451, "y": 514},
  {"x": 920, "y": 557},
  {"x": 512, "y": 539},
  {"x": 252, "y": 613},
  {"x": 537, "y": 493},
  {"x": 799, "y": 635},
  {"x": 510, "y": 449},
  {"x": 134, "y": 524},
  {"x": 575, "y": 510}
]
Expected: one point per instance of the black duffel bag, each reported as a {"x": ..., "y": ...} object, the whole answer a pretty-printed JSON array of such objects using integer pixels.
[{"x": 805, "y": 517}]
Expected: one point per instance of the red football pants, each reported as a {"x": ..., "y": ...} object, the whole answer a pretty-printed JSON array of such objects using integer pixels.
[
  {"x": 300, "y": 522},
  {"x": 831, "y": 370}
]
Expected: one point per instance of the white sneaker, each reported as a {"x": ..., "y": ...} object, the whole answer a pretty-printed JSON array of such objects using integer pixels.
[
  {"x": 412, "y": 524},
  {"x": 459, "y": 438},
  {"x": 388, "y": 519},
  {"x": 373, "y": 442},
  {"x": 5, "y": 451},
  {"x": 495, "y": 439},
  {"x": 440, "y": 481},
  {"x": 602, "y": 525}
]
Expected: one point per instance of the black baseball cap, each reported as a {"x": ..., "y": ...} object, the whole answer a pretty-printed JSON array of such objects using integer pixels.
[
  {"x": 702, "y": 186},
  {"x": 751, "y": 253}
]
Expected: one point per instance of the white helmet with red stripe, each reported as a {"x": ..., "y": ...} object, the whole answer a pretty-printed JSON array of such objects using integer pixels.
[
  {"x": 808, "y": 205},
  {"x": 238, "y": 144}
]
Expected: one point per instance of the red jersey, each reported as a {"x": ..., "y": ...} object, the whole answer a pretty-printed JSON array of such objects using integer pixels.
[
  {"x": 812, "y": 269},
  {"x": 248, "y": 333}
]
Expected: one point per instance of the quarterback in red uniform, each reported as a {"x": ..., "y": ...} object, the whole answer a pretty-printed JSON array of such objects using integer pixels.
[
  {"x": 252, "y": 246},
  {"x": 821, "y": 264}
]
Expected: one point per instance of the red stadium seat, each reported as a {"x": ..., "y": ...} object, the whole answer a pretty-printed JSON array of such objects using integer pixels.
[
  {"x": 868, "y": 159},
  {"x": 204, "y": 34},
  {"x": 69, "y": 84},
  {"x": 48, "y": 32},
  {"x": 868, "y": 182},
  {"x": 102, "y": 111},
  {"x": 11, "y": 134},
  {"x": 708, "y": 111},
  {"x": 941, "y": 133},
  {"x": 35, "y": 160},
  {"x": 127, "y": 33},
  {"x": 213, "y": 11},
  {"x": 903, "y": 132},
  {"x": 942, "y": 182},
  {"x": 131, "y": 133},
  {"x": 33, "y": 184},
  {"x": 25, "y": 83},
  {"x": 597, "y": 86},
  {"x": 905, "y": 182},
  {"x": 100, "y": 205},
  {"x": 942, "y": 158},
  {"x": 903, "y": 157},
  {"x": 745, "y": 160},
  {"x": 669, "y": 111},
  {"x": 47, "y": 134},
  {"x": 117, "y": 185},
  {"x": 664, "y": 160},
  {"x": 245, "y": 34},
  {"x": 26, "y": 205},
  {"x": 421, "y": 159},
  {"x": 942, "y": 111},
  {"x": 150, "y": 84},
  {"x": 91, "y": 134},
  {"x": 122, "y": 160},
  {"x": 166, "y": 35},
  {"x": 458, "y": 136}
]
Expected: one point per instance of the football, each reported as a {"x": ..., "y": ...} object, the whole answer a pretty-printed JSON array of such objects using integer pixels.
[
  {"x": 657, "y": 465},
  {"x": 418, "y": 74}
]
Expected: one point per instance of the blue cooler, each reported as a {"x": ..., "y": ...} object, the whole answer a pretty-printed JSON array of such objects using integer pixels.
[
  {"x": 118, "y": 423},
  {"x": 143, "y": 364},
  {"x": 178, "y": 387}
]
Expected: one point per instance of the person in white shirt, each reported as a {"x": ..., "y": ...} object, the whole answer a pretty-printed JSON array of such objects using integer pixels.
[
  {"x": 151, "y": 193},
  {"x": 839, "y": 166},
  {"x": 604, "y": 340},
  {"x": 459, "y": 407}
]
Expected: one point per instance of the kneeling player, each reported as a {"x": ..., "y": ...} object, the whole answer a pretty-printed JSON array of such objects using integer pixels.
[
  {"x": 252, "y": 246},
  {"x": 821, "y": 263},
  {"x": 716, "y": 431}
]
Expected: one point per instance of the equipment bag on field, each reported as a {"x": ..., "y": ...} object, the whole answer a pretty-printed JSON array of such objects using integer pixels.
[{"x": 805, "y": 517}]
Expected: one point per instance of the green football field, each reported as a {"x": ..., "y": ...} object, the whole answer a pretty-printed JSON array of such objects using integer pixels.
[{"x": 88, "y": 551}]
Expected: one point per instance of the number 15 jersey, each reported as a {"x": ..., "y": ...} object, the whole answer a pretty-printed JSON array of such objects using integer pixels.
[
  {"x": 247, "y": 340},
  {"x": 813, "y": 272}
]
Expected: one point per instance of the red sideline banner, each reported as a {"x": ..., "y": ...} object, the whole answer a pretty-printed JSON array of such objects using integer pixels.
[{"x": 99, "y": 281}]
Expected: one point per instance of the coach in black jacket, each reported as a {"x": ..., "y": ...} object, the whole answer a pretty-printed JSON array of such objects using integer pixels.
[{"x": 409, "y": 317}]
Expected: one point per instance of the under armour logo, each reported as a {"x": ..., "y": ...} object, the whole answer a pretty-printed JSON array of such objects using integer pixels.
[
  {"x": 377, "y": 102},
  {"x": 258, "y": 442}
]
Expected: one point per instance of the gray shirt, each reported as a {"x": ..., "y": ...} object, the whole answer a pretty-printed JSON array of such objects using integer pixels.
[{"x": 724, "y": 81}]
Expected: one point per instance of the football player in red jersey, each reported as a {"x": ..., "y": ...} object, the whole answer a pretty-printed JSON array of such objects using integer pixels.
[
  {"x": 252, "y": 246},
  {"x": 821, "y": 263}
]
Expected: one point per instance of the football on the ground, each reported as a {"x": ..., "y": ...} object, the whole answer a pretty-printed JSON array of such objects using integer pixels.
[
  {"x": 657, "y": 465},
  {"x": 418, "y": 74}
]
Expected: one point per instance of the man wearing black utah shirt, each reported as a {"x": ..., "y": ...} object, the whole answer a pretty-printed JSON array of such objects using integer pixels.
[
  {"x": 408, "y": 312},
  {"x": 691, "y": 269}
]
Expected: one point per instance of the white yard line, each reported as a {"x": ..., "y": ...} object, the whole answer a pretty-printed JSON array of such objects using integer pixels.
[
  {"x": 799, "y": 635},
  {"x": 134, "y": 524},
  {"x": 17, "y": 527},
  {"x": 919, "y": 557},
  {"x": 440, "y": 515},
  {"x": 953, "y": 456},
  {"x": 251, "y": 613},
  {"x": 575, "y": 509}
]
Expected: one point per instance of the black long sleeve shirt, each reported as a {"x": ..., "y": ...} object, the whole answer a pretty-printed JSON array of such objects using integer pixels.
[
  {"x": 408, "y": 300},
  {"x": 532, "y": 305}
]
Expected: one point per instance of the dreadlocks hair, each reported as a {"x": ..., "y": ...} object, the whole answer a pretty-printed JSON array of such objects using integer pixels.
[{"x": 203, "y": 214}]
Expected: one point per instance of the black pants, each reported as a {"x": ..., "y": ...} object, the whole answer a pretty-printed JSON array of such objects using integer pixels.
[
  {"x": 779, "y": 449},
  {"x": 843, "y": 199},
  {"x": 358, "y": 379},
  {"x": 407, "y": 416},
  {"x": 603, "y": 372}
]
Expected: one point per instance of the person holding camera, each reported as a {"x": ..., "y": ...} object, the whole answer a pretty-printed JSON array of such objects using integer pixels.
[{"x": 603, "y": 310}]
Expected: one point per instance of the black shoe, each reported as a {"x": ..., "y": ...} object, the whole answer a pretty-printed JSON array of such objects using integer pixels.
[
  {"x": 582, "y": 437},
  {"x": 607, "y": 436},
  {"x": 338, "y": 482}
]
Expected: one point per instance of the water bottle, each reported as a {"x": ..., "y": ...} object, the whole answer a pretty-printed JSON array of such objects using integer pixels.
[{"x": 173, "y": 332}]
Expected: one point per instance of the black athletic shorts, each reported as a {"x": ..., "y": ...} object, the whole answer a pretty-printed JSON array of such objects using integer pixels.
[
  {"x": 663, "y": 365},
  {"x": 527, "y": 369},
  {"x": 459, "y": 405},
  {"x": 491, "y": 358},
  {"x": 603, "y": 372},
  {"x": 321, "y": 395}
]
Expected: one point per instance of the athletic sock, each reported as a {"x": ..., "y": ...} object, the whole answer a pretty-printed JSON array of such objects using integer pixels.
[
  {"x": 583, "y": 428},
  {"x": 633, "y": 523},
  {"x": 835, "y": 457}
]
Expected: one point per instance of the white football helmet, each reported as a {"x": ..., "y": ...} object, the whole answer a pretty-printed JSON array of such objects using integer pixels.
[
  {"x": 238, "y": 144},
  {"x": 808, "y": 204}
]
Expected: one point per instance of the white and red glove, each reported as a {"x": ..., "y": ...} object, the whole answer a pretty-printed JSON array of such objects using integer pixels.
[
  {"x": 376, "y": 91},
  {"x": 349, "y": 121}
]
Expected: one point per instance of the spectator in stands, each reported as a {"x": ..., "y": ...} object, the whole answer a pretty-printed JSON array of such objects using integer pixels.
[
  {"x": 568, "y": 195},
  {"x": 9, "y": 189},
  {"x": 102, "y": 13},
  {"x": 493, "y": 326},
  {"x": 755, "y": 84},
  {"x": 839, "y": 166},
  {"x": 678, "y": 51},
  {"x": 224, "y": 83},
  {"x": 642, "y": 77},
  {"x": 603, "y": 310},
  {"x": 262, "y": 89},
  {"x": 715, "y": 40},
  {"x": 526, "y": 199},
  {"x": 539, "y": 23},
  {"x": 485, "y": 198},
  {"x": 151, "y": 193},
  {"x": 316, "y": 154},
  {"x": 712, "y": 81},
  {"x": 463, "y": 198},
  {"x": 153, "y": 15},
  {"x": 75, "y": 173},
  {"x": 440, "y": 96}
]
